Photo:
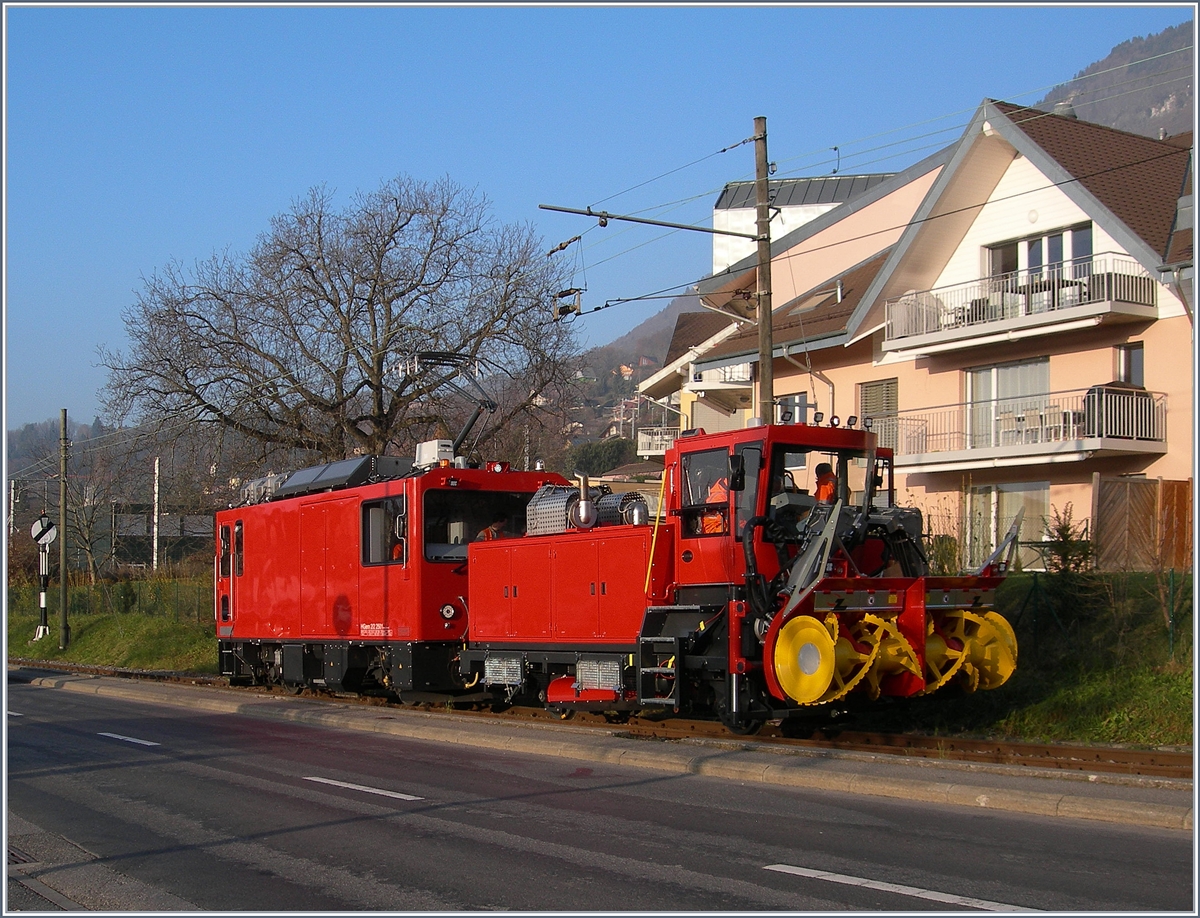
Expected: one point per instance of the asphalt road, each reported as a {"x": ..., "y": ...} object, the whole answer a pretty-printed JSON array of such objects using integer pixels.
[{"x": 165, "y": 808}]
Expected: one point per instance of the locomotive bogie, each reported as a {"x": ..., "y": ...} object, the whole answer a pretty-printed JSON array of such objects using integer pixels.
[{"x": 344, "y": 666}]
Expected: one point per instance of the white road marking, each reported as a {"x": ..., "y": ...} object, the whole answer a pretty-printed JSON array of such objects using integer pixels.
[
  {"x": 15, "y": 714},
  {"x": 129, "y": 739},
  {"x": 365, "y": 789},
  {"x": 913, "y": 891}
]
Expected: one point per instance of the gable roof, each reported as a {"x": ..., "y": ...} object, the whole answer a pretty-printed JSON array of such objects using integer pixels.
[
  {"x": 1138, "y": 179},
  {"x": 816, "y": 328},
  {"x": 692, "y": 328},
  {"x": 1127, "y": 183},
  {"x": 694, "y": 333}
]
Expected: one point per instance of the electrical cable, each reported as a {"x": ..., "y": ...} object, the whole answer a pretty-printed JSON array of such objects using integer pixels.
[{"x": 903, "y": 226}]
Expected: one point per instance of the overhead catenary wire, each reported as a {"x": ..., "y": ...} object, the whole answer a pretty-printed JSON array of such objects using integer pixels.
[
  {"x": 856, "y": 155},
  {"x": 667, "y": 207},
  {"x": 785, "y": 257},
  {"x": 915, "y": 124}
]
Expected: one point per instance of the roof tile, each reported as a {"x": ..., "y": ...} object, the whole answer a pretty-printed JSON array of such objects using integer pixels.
[{"x": 1138, "y": 178}]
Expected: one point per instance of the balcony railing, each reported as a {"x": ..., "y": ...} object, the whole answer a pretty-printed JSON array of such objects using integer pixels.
[
  {"x": 655, "y": 441},
  {"x": 1041, "y": 291},
  {"x": 1030, "y": 424},
  {"x": 736, "y": 375}
]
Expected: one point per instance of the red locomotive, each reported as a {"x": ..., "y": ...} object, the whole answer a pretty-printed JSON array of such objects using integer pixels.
[{"x": 773, "y": 573}]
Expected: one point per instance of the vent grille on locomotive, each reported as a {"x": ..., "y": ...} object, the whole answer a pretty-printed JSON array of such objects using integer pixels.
[
  {"x": 598, "y": 674},
  {"x": 503, "y": 670},
  {"x": 549, "y": 512}
]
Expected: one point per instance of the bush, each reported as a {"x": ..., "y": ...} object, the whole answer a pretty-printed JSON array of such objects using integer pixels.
[{"x": 1065, "y": 547}]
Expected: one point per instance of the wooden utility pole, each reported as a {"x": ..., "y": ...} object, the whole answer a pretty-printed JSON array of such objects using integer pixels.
[
  {"x": 64, "y": 631},
  {"x": 762, "y": 236},
  {"x": 766, "y": 343}
]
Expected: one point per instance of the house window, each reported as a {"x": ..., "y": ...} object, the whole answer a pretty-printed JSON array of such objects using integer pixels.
[
  {"x": 1081, "y": 251},
  {"x": 1002, "y": 259},
  {"x": 991, "y": 510},
  {"x": 1005, "y": 402},
  {"x": 1131, "y": 364},
  {"x": 878, "y": 401},
  {"x": 1045, "y": 254}
]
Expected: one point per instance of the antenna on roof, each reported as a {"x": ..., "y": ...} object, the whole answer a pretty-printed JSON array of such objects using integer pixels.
[{"x": 839, "y": 161}]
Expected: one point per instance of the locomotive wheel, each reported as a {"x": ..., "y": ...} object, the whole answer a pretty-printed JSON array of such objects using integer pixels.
[
  {"x": 742, "y": 723},
  {"x": 805, "y": 659},
  {"x": 855, "y": 651}
]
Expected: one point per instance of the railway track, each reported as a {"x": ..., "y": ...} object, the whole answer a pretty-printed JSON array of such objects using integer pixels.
[{"x": 1107, "y": 760}]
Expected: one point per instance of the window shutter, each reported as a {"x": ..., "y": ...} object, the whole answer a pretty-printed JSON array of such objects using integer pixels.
[{"x": 878, "y": 400}]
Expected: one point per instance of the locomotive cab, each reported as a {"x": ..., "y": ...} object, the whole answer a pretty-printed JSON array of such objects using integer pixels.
[{"x": 357, "y": 582}]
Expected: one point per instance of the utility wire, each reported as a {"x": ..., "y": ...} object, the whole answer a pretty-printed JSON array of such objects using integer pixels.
[
  {"x": 728, "y": 272},
  {"x": 674, "y": 205},
  {"x": 956, "y": 127},
  {"x": 732, "y": 146},
  {"x": 916, "y": 124}
]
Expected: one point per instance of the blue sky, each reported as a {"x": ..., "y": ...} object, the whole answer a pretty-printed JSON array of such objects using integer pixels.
[{"x": 139, "y": 135}]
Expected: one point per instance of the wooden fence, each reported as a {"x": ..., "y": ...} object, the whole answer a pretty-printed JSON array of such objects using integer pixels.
[{"x": 1141, "y": 524}]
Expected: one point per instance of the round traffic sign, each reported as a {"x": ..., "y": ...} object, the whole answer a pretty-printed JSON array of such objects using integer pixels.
[{"x": 44, "y": 531}]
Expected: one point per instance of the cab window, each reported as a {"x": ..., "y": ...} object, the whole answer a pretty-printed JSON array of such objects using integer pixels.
[
  {"x": 455, "y": 517},
  {"x": 223, "y": 538},
  {"x": 705, "y": 498},
  {"x": 384, "y": 531}
]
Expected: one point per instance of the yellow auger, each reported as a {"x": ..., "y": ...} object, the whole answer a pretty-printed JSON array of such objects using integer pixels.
[{"x": 979, "y": 650}]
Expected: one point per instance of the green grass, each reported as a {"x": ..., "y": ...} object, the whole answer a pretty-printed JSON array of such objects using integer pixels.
[
  {"x": 127, "y": 640},
  {"x": 160, "y": 624},
  {"x": 1142, "y": 707}
]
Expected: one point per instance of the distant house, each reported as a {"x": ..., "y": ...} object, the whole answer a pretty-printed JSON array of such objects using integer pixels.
[
  {"x": 794, "y": 202},
  {"x": 180, "y": 534}
]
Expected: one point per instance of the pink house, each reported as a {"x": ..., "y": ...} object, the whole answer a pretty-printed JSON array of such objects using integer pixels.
[{"x": 1013, "y": 313}]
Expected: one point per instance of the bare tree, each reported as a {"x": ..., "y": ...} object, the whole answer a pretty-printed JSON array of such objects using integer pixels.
[{"x": 294, "y": 346}]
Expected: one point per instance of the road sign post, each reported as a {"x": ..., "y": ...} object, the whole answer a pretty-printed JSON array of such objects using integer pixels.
[{"x": 43, "y": 532}]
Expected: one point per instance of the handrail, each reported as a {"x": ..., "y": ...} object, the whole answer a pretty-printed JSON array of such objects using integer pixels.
[
  {"x": 1101, "y": 411},
  {"x": 1031, "y": 291}
]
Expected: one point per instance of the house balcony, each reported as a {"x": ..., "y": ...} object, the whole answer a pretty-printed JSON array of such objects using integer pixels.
[
  {"x": 1007, "y": 307},
  {"x": 655, "y": 441},
  {"x": 727, "y": 388},
  {"x": 1068, "y": 426}
]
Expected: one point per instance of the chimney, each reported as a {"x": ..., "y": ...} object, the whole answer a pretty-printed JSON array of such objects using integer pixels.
[{"x": 1065, "y": 109}]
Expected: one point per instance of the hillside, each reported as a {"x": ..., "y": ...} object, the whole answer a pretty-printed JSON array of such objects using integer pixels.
[{"x": 1143, "y": 86}]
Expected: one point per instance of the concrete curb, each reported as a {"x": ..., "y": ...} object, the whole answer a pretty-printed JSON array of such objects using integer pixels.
[{"x": 733, "y": 765}]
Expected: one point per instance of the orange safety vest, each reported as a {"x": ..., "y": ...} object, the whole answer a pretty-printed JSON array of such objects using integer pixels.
[
  {"x": 826, "y": 487},
  {"x": 714, "y": 521}
]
